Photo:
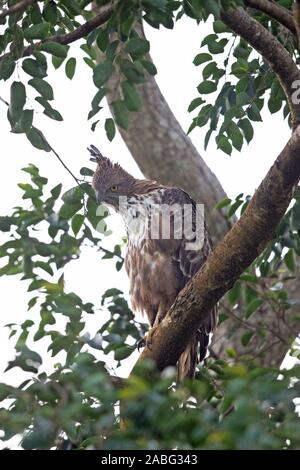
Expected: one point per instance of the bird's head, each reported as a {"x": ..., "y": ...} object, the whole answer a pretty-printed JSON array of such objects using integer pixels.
[{"x": 110, "y": 181}]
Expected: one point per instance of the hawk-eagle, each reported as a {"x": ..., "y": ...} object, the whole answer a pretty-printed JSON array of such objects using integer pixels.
[{"x": 159, "y": 261}]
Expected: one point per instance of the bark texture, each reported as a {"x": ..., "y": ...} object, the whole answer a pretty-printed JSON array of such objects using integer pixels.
[{"x": 277, "y": 12}]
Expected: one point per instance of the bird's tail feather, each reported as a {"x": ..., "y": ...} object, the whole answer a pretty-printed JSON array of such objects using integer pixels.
[
  {"x": 188, "y": 361},
  {"x": 194, "y": 353}
]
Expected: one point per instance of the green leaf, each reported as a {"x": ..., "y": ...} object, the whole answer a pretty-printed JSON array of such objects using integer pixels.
[
  {"x": 17, "y": 99},
  {"x": 5, "y": 223},
  {"x": 34, "y": 68},
  {"x": 73, "y": 195},
  {"x": 131, "y": 97},
  {"x": 295, "y": 217},
  {"x": 37, "y": 31},
  {"x": 290, "y": 260},
  {"x": 242, "y": 85},
  {"x": 215, "y": 47},
  {"x": 201, "y": 58},
  {"x": 149, "y": 66},
  {"x": 48, "y": 110},
  {"x": 70, "y": 67},
  {"x": 5, "y": 391},
  {"x": 207, "y": 87},
  {"x": 102, "y": 73},
  {"x": 253, "y": 113},
  {"x": 212, "y": 6},
  {"x": 137, "y": 46},
  {"x": 93, "y": 126},
  {"x": 249, "y": 278},
  {"x": 110, "y": 128},
  {"x": 237, "y": 139},
  {"x": 7, "y": 66},
  {"x": 120, "y": 114},
  {"x": 35, "y": 14},
  {"x": 76, "y": 223},
  {"x": 225, "y": 202},
  {"x": 55, "y": 49},
  {"x": 224, "y": 144},
  {"x": 207, "y": 137},
  {"x": 102, "y": 39},
  {"x": 69, "y": 210},
  {"x": 274, "y": 104},
  {"x": 159, "y": 4},
  {"x": 24, "y": 123},
  {"x": 133, "y": 72},
  {"x": 42, "y": 87},
  {"x": 37, "y": 139},
  {"x": 57, "y": 61},
  {"x": 123, "y": 352},
  {"x": 246, "y": 337},
  {"x": 195, "y": 103},
  {"x": 86, "y": 171},
  {"x": 253, "y": 306},
  {"x": 242, "y": 98},
  {"x": 220, "y": 27},
  {"x": 56, "y": 191},
  {"x": 234, "y": 293},
  {"x": 209, "y": 70},
  {"x": 72, "y": 6},
  {"x": 93, "y": 112},
  {"x": 234, "y": 207},
  {"x": 247, "y": 129},
  {"x": 50, "y": 12},
  {"x": 98, "y": 98}
]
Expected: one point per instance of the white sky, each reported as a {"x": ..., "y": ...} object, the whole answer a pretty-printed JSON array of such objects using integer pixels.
[{"x": 173, "y": 53}]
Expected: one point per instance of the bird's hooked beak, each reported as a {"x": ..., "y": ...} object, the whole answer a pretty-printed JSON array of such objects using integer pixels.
[{"x": 100, "y": 195}]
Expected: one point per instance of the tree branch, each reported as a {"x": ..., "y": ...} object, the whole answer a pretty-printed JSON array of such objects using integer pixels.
[
  {"x": 277, "y": 12},
  {"x": 239, "y": 248},
  {"x": 73, "y": 36},
  {"x": 18, "y": 7},
  {"x": 271, "y": 50}
]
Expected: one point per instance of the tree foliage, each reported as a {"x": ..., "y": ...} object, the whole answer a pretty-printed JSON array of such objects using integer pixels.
[{"x": 234, "y": 403}]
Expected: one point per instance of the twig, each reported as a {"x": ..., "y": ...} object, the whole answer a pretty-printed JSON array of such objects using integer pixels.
[
  {"x": 68, "y": 38},
  {"x": 59, "y": 159},
  {"x": 18, "y": 7},
  {"x": 52, "y": 150},
  {"x": 107, "y": 252},
  {"x": 3, "y": 101}
]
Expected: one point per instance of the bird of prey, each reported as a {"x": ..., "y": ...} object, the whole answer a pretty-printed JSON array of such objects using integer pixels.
[{"x": 159, "y": 260}]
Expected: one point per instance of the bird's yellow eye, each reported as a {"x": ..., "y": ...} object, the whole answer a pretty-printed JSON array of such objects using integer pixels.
[{"x": 114, "y": 188}]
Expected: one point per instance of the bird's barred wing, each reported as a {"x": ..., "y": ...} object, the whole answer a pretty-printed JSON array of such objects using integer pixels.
[{"x": 190, "y": 261}]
